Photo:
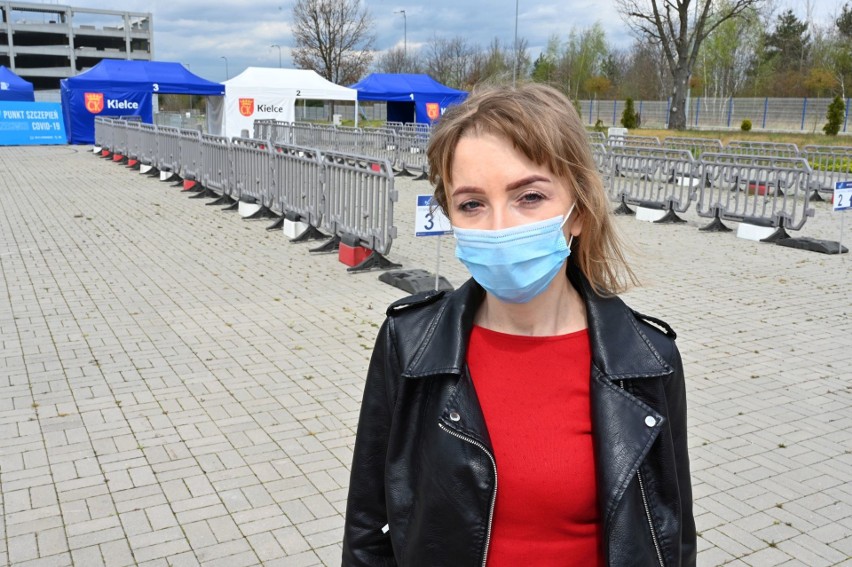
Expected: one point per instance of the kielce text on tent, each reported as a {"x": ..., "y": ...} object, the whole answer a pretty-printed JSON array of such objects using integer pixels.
[
  {"x": 124, "y": 88},
  {"x": 261, "y": 93}
]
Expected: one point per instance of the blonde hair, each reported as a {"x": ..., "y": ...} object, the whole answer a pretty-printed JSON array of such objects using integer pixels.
[{"x": 542, "y": 124}]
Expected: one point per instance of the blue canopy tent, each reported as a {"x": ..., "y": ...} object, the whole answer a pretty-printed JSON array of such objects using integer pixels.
[
  {"x": 410, "y": 98},
  {"x": 124, "y": 88},
  {"x": 12, "y": 87}
]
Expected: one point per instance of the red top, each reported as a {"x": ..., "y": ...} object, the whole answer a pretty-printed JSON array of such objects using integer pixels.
[{"x": 534, "y": 393}]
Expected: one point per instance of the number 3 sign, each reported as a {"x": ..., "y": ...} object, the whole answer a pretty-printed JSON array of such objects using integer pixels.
[{"x": 429, "y": 219}]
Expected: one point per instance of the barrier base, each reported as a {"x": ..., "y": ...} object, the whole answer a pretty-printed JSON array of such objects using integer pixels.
[
  {"x": 191, "y": 185},
  {"x": 168, "y": 176},
  {"x": 422, "y": 176},
  {"x": 623, "y": 209},
  {"x": 816, "y": 197},
  {"x": 105, "y": 153},
  {"x": 650, "y": 215},
  {"x": 293, "y": 227},
  {"x": 263, "y": 212},
  {"x": 415, "y": 281},
  {"x": 352, "y": 253},
  {"x": 247, "y": 209},
  {"x": 779, "y": 234},
  {"x": 277, "y": 225},
  {"x": 754, "y": 232},
  {"x": 670, "y": 218},
  {"x": 716, "y": 225},
  {"x": 333, "y": 245},
  {"x": 134, "y": 165},
  {"x": 403, "y": 173},
  {"x": 374, "y": 261},
  {"x": 310, "y": 233},
  {"x": 814, "y": 245},
  {"x": 205, "y": 193},
  {"x": 149, "y": 170},
  {"x": 221, "y": 200},
  {"x": 235, "y": 206},
  {"x": 96, "y": 149}
]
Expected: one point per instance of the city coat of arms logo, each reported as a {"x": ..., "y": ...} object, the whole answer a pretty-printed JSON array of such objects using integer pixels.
[
  {"x": 433, "y": 110},
  {"x": 94, "y": 102},
  {"x": 246, "y": 106}
]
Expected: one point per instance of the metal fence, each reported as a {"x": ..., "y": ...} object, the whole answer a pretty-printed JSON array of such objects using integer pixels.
[
  {"x": 706, "y": 113},
  {"x": 348, "y": 194}
]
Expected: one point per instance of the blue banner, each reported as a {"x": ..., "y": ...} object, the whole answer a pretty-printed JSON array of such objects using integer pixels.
[
  {"x": 31, "y": 123},
  {"x": 81, "y": 107}
]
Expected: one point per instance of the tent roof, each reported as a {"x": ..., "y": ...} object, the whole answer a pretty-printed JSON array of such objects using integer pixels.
[
  {"x": 170, "y": 78},
  {"x": 402, "y": 87},
  {"x": 14, "y": 83},
  {"x": 308, "y": 83}
]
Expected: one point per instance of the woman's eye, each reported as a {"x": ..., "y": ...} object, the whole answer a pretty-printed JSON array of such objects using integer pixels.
[
  {"x": 469, "y": 206},
  {"x": 531, "y": 197}
]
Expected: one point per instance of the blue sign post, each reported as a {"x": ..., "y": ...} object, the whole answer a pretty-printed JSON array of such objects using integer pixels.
[{"x": 31, "y": 124}]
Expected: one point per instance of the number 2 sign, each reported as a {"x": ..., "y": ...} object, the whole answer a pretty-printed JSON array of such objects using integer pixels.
[{"x": 842, "y": 195}]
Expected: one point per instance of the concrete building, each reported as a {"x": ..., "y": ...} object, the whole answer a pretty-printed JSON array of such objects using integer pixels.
[{"x": 44, "y": 43}]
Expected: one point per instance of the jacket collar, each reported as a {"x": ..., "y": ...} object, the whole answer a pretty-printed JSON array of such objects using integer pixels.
[{"x": 620, "y": 349}]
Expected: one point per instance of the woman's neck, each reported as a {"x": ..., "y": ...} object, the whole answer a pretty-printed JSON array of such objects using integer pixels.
[{"x": 558, "y": 310}]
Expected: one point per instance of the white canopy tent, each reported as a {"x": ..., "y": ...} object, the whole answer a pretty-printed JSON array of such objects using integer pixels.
[{"x": 268, "y": 93}]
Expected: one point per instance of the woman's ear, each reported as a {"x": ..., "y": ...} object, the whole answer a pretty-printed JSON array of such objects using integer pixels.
[{"x": 577, "y": 223}]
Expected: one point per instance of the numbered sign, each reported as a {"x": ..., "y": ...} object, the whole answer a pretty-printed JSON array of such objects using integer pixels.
[
  {"x": 429, "y": 219},
  {"x": 843, "y": 195}
]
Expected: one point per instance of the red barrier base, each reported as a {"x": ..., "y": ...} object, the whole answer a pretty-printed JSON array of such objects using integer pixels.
[
  {"x": 189, "y": 185},
  {"x": 132, "y": 162},
  {"x": 104, "y": 153},
  {"x": 117, "y": 157},
  {"x": 352, "y": 255},
  {"x": 759, "y": 188}
]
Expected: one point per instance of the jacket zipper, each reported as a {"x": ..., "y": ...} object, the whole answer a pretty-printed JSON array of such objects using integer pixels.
[
  {"x": 647, "y": 508},
  {"x": 493, "y": 496}
]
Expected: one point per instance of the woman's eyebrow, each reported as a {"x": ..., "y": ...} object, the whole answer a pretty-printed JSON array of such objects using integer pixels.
[{"x": 526, "y": 181}]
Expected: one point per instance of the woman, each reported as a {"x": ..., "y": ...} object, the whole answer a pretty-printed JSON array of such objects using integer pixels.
[{"x": 530, "y": 417}]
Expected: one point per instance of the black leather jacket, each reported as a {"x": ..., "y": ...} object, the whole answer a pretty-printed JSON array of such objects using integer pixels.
[{"x": 423, "y": 483}]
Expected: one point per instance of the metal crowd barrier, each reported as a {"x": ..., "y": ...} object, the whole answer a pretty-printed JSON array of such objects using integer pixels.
[
  {"x": 601, "y": 157},
  {"x": 631, "y": 141},
  {"x": 412, "y": 153},
  {"x": 217, "y": 167},
  {"x": 147, "y": 144},
  {"x": 252, "y": 170},
  {"x": 298, "y": 182},
  {"x": 760, "y": 190},
  {"x": 359, "y": 202},
  {"x": 190, "y": 154},
  {"x": 380, "y": 143},
  {"x": 301, "y": 134},
  {"x": 104, "y": 132},
  {"x": 348, "y": 139},
  {"x": 119, "y": 140},
  {"x": 830, "y": 164},
  {"x": 134, "y": 140},
  {"x": 752, "y": 148},
  {"x": 596, "y": 137},
  {"x": 168, "y": 149},
  {"x": 696, "y": 146},
  {"x": 655, "y": 178}
]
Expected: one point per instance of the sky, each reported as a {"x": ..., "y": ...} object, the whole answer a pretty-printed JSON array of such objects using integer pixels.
[{"x": 199, "y": 34}]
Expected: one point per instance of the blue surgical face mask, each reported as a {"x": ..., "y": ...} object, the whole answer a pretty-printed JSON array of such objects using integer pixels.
[{"x": 515, "y": 264}]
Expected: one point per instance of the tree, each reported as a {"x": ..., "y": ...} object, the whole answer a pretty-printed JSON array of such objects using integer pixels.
[
  {"x": 395, "y": 60},
  {"x": 629, "y": 117},
  {"x": 334, "y": 38},
  {"x": 668, "y": 23},
  {"x": 728, "y": 55},
  {"x": 787, "y": 45},
  {"x": 834, "y": 116}
]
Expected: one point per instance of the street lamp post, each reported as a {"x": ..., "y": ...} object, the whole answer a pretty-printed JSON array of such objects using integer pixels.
[
  {"x": 515, "y": 60},
  {"x": 279, "y": 54},
  {"x": 404, "y": 33},
  {"x": 227, "y": 76}
]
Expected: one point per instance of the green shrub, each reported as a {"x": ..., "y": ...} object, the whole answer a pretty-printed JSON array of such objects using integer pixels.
[
  {"x": 746, "y": 125},
  {"x": 834, "y": 115},
  {"x": 629, "y": 118},
  {"x": 599, "y": 126}
]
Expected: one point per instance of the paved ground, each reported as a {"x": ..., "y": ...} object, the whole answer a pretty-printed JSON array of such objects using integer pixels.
[{"x": 180, "y": 387}]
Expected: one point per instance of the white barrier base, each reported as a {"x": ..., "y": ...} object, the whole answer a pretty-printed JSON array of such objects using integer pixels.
[
  {"x": 166, "y": 175},
  {"x": 96, "y": 150},
  {"x": 248, "y": 209},
  {"x": 688, "y": 181},
  {"x": 292, "y": 229},
  {"x": 145, "y": 168},
  {"x": 650, "y": 215},
  {"x": 754, "y": 232}
]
